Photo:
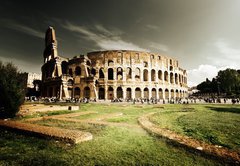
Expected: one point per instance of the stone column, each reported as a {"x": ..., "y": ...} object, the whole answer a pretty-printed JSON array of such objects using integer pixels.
[
  {"x": 124, "y": 93},
  {"x": 133, "y": 93},
  {"x": 114, "y": 93},
  {"x": 106, "y": 92}
]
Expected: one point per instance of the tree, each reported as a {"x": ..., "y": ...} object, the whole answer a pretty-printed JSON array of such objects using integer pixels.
[
  {"x": 11, "y": 90},
  {"x": 229, "y": 80}
]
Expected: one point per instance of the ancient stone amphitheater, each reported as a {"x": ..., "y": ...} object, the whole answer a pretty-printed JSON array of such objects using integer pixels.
[{"x": 106, "y": 75}]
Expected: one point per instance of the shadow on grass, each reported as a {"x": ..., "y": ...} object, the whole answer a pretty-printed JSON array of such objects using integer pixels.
[{"x": 225, "y": 109}]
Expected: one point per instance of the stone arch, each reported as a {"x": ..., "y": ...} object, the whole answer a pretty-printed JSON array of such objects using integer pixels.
[
  {"x": 160, "y": 74},
  {"x": 88, "y": 63},
  {"x": 176, "y": 78},
  {"x": 101, "y": 93},
  {"x": 145, "y": 75},
  {"x": 160, "y": 93},
  {"x": 110, "y": 74},
  {"x": 119, "y": 73},
  {"x": 70, "y": 82},
  {"x": 145, "y": 64},
  {"x": 137, "y": 93},
  {"x": 86, "y": 93},
  {"x": 119, "y": 92},
  {"x": 177, "y": 94},
  {"x": 153, "y": 75},
  {"x": 77, "y": 92},
  {"x": 110, "y": 63},
  {"x": 171, "y": 78},
  {"x": 69, "y": 92},
  {"x": 166, "y": 94},
  {"x": 70, "y": 72},
  {"x": 110, "y": 93},
  {"x": 78, "y": 71},
  {"x": 146, "y": 93},
  {"x": 137, "y": 74},
  {"x": 129, "y": 93},
  {"x": 129, "y": 73},
  {"x": 152, "y": 56},
  {"x": 101, "y": 73},
  {"x": 154, "y": 93},
  {"x": 64, "y": 66},
  {"x": 166, "y": 76},
  {"x": 93, "y": 72},
  {"x": 172, "y": 93}
]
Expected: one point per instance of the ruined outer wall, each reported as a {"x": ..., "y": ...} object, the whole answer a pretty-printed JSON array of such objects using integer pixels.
[{"x": 155, "y": 75}]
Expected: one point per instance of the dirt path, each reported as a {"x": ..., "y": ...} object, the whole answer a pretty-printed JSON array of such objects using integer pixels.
[
  {"x": 187, "y": 141},
  {"x": 72, "y": 136}
]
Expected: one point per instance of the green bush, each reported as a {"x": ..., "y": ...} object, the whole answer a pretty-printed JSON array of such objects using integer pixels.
[{"x": 11, "y": 90}]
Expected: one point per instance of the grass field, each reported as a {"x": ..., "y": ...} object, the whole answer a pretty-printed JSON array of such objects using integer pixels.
[
  {"x": 210, "y": 123},
  {"x": 115, "y": 145}
]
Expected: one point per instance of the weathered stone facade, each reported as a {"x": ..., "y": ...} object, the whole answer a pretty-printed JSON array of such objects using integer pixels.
[{"x": 111, "y": 74}]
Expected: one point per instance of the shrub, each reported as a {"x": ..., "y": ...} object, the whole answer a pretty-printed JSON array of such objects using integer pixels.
[{"x": 11, "y": 90}]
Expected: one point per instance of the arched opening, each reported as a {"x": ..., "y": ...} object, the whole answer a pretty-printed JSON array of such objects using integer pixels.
[
  {"x": 77, "y": 92},
  {"x": 145, "y": 64},
  {"x": 93, "y": 72},
  {"x": 171, "y": 78},
  {"x": 78, "y": 71},
  {"x": 101, "y": 93},
  {"x": 88, "y": 63},
  {"x": 160, "y": 93},
  {"x": 70, "y": 92},
  {"x": 70, "y": 72},
  {"x": 110, "y": 74},
  {"x": 179, "y": 76},
  {"x": 166, "y": 76},
  {"x": 87, "y": 92},
  {"x": 153, "y": 75},
  {"x": 145, "y": 75},
  {"x": 64, "y": 66},
  {"x": 146, "y": 93},
  {"x": 177, "y": 94},
  {"x": 137, "y": 93},
  {"x": 172, "y": 93},
  {"x": 119, "y": 93},
  {"x": 176, "y": 78},
  {"x": 154, "y": 94},
  {"x": 101, "y": 73},
  {"x": 110, "y": 63},
  {"x": 129, "y": 73},
  {"x": 170, "y": 61},
  {"x": 160, "y": 74},
  {"x": 129, "y": 93},
  {"x": 152, "y": 56},
  {"x": 119, "y": 73},
  {"x": 70, "y": 82},
  {"x": 137, "y": 74},
  {"x": 166, "y": 94},
  {"x": 110, "y": 93}
]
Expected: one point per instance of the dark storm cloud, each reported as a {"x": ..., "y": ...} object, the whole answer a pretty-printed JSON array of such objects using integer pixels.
[{"x": 200, "y": 34}]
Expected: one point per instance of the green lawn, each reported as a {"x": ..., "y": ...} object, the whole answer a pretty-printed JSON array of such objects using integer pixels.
[
  {"x": 216, "y": 124},
  {"x": 110, "y": 146}
]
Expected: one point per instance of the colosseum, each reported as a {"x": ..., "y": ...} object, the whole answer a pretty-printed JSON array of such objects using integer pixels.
[{"x": 107, "y": 75}]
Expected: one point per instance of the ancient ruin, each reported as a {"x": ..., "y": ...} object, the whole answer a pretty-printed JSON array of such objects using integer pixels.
[{"x": 106, "y": 75}]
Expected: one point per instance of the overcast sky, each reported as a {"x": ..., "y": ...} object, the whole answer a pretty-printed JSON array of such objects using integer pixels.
[{"x": 202, "y": 34}]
